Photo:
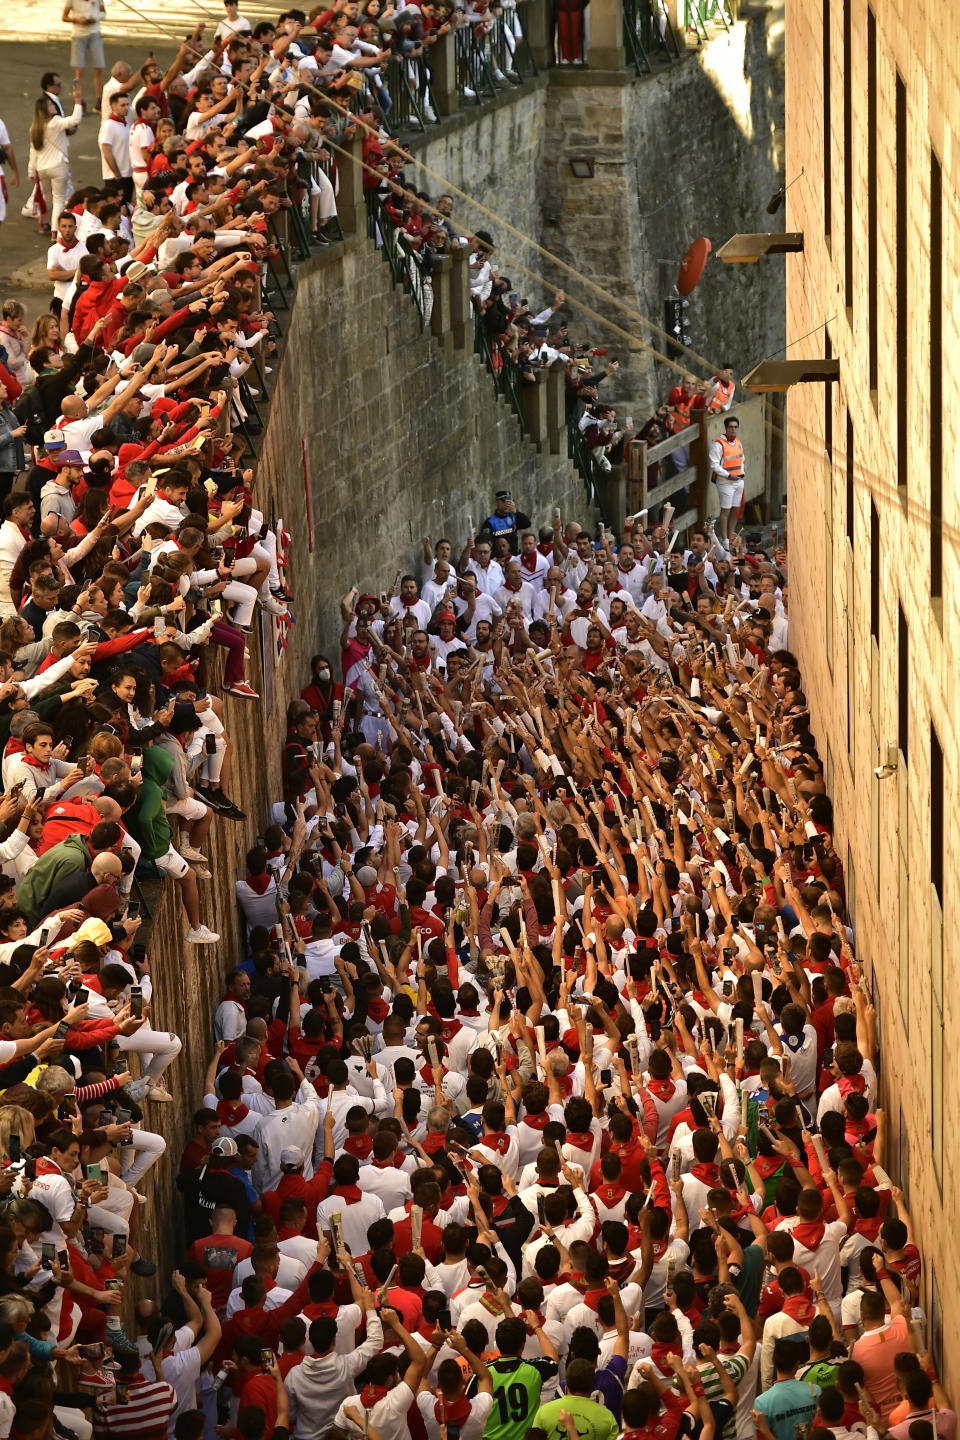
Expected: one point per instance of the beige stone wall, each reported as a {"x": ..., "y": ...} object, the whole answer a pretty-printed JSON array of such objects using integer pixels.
[{"x": 851, "y": 679}]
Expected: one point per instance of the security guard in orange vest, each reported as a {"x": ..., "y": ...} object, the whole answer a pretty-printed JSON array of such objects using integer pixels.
[
  {"x": 727, "y": 471},
  {"x": 722, "y": 397}
]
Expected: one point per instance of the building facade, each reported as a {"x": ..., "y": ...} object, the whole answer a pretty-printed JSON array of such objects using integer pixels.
[{"x": 872, "y": 121}]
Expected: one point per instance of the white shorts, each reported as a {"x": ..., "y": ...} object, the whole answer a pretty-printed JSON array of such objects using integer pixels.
[
  {"x": 189, "y": 808},
  {"x": 729, "y": 493},
  {"x": 172, "y": 864}
]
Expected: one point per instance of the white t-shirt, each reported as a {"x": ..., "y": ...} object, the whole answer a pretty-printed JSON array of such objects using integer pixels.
[
  {"x": 141, "y": 138},
  {"x": 228, "y": 28},
  {"x": 115, "y": 134},
  {"x": 60, "y": 259}
]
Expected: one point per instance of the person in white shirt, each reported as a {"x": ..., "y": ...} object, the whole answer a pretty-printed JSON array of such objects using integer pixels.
[
  {"x": 488, "y": 574},
  {"x": 357, "y": 1210},
  {"x": 114, "y": 141},
  {"x": 142, "y": 136},
  {"x": 408, "y": 602},
  {"x": 50, "y": 151},
  {"x": 293, "y": 1123},
  {"x": 514, "y": 587},
  {"x": 533, "y": 563},
  {"x": 234, "y": 23},
  {"x": 63, "y": 257}
]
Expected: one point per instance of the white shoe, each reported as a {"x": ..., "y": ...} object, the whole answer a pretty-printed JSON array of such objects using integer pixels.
[
  {"x": 469, "y": 94},
  {"x": 272, "y": 606},
  {"x": 201, "y": 936},
  {"x": 201, "y": 872},
  {"x": 429, "y": 115},
  {"x": 189, "y": 853},
  {"x": 160, "y": 1093}
]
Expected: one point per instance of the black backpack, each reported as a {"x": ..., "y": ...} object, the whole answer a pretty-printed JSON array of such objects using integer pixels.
[{"x": 30, "y": 411}]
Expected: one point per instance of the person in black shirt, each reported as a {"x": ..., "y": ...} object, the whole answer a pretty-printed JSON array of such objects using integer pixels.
[{"x": 212, "y": 1185}]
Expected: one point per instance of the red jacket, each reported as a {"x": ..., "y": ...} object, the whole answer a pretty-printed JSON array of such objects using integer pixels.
[{"x": 93, "y": 302}]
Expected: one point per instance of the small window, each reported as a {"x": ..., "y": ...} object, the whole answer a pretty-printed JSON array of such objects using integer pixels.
[
  {"x": 847, "y": 155},
  {"x": 849, "y": 464},
  {"x": 935, "y": 385},
  {"x": 827, "y": 125},
  {"x": 903, "y": 684},
  {"x": 874, "y": 573},
  {"x": 872, "y": 223},
  {"x": 936, "y": 814}
]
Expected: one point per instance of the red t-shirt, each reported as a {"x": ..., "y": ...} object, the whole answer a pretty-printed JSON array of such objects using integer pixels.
[{"x": 219, "y": 1254}]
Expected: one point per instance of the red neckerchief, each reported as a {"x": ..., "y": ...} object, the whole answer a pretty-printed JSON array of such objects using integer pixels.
[
  {"x": 433, "y": 1143},
  {"x": 707, "y": 1172},
  {"x": 808, "y": 1233},
  {"x": 850, "y": 1084},
  {"x": 592, "y": 1298},
  {"x": 377, "y": 1009},
  {"x": 869, "y": 1227},
  {"x": 580, "y": 1139},
  {"x": 359, "y": 1145},
  {"x": 537, "y": 1122},
  {"x": 259, "y": 883},
  {"x": 231, "y": 1115},
  {"x": 46, "y": 1166},
  {"x": 661, "y": 1349},
  {"x": 321, "y": 1307},
  {"x": 610, "y": 1195},
  {"x": 456, "y": 1412},
  {"x": 529, "y": 562},
  {"x": 798, "y": 1307},
  {"x": 498, "y": 1142},
  {"x": 34, "y": 764},
  {"x": 541, "y": 1320},
  {"x": 662, "y": 1089},
  {"x": 426, "y": 1073},
  {"x": 350, "y": 1193},
  {"x": 371, "y": 1394},
  {"x": 449, "y": 1029}
]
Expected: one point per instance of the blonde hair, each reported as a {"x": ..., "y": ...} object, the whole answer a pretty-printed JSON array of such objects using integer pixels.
[{"x": 13, "y": 1118}]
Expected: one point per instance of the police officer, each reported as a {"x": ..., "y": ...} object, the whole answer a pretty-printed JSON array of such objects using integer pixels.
[
  {"x": 727, "y": 469},
  {"x": 506, "y": 520}
]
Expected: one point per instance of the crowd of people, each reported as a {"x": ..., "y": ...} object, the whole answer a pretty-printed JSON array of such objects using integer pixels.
[{"x": 542, "y": 1100}]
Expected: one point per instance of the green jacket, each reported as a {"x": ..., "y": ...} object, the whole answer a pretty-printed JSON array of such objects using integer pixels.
[
  {"x": 147, "y": 821},
  {"x": 68, "y": 858}
]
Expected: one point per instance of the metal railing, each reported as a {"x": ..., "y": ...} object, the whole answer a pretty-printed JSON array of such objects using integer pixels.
[
  {"x": 509, "y": 47},
  {"x": 475, "y": 82},
  {"x": 405, "y": 268},
  {"x": 407, "y": 82},
  {"x": 648, "y": 34},
  {"x": 593, "y": 474},
  {"x": 504, "y": 373}
]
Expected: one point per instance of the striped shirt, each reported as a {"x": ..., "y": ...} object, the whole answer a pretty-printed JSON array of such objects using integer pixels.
[
  {"x": 145, "y": 1416},
  {"x": 736, "y": 1367}
]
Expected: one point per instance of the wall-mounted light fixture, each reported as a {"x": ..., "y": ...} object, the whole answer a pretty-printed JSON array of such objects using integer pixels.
[
  {"x": 582, "y": 167},
  {"x": 748, "y": 249}
]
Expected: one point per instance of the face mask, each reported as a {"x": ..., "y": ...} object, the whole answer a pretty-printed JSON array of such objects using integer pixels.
[{"x": 323, "y": 674}]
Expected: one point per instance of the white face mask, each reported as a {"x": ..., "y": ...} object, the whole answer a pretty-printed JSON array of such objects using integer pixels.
[{"x": 323, "y": 674}]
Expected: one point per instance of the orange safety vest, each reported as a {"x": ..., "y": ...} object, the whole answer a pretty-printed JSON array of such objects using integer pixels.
[
  {"x": 720, "y": 399},
  {"x": 678, "y": 418},
  {"x": 731, "y": 453}
]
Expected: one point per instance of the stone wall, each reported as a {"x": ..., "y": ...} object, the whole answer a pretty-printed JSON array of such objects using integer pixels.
[{"x": 693, "y": 149}]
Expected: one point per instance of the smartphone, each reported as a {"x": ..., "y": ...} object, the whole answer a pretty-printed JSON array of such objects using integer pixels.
[
  {"x": 91, "y": 1352},
  {"x": 111, "y": 1284},
  {"x": 759, "y": 933},
  {"x": 445, "y": 1319},
  {"x": 159, "y": 628},
  {"x": 63, "y": 1259},
  {"x": 118, "y": 1246},
  {"x": 210, "y": 744},
  {"x": 48, "y": 1254},
  {"x": 124, "y": 1116},
  {"x": 123, "y": 1394},
  {"x": 136, "y": 1002},
  {"x": 13, "y": 1146},
  {"x": 136, "y": 764},
  {"x": 727, "y": 988},
  {"x": 95, "y": 1172},
  {"x": 133, "y": 910},
  {"x": 266, "y": 1357},
  {"x": 79, "y": 996},
  {"x": 734, "y": 922}
]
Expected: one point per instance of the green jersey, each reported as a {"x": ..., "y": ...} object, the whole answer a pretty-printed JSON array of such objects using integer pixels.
[
  {"x": 516, "y": 1395},
  {"x": 593, "y": 1421}
]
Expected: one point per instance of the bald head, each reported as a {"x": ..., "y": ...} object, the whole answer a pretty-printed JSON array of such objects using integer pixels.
[
  {"x": 106, "y": 867},
  {"x": 106, "y": 808},
  {"x": 74, "y": 408}
]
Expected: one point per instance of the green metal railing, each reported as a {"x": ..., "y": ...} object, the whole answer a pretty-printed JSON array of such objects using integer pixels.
[
  {"x": 593, "y": 474},
  {"x": 407, "y": 81},
  {"x": 648, "y": 34}
]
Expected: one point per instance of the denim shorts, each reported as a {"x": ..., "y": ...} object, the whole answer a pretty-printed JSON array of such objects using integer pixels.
[{"x": 86, "y": 48}]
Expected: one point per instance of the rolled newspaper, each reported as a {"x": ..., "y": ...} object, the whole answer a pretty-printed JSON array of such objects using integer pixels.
[
  {"x": 757, "y": 988},
  {"x": 819, "y": 1151},
  {"x": 416, "y": 1226},
  {"x": 433, "y": 1050},
  {"x": 738, "y": 1032},
  {"x": 744, "y": 1108}
]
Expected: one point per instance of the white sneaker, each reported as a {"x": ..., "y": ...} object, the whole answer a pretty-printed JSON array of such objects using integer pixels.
[
  {"x": 161, "y": 1094},
  {"x": 429, "y": 114},
  {"x": 190, "y": 853},
  {"x": 201, "y": 936},
  {"x": 201, "y": 872},
  {"x": 469, "y": 94},
  {"x": 272, "y": 606}
]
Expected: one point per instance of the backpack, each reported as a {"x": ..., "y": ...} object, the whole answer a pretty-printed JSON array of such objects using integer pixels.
[{"x": 30, "y": 411}]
